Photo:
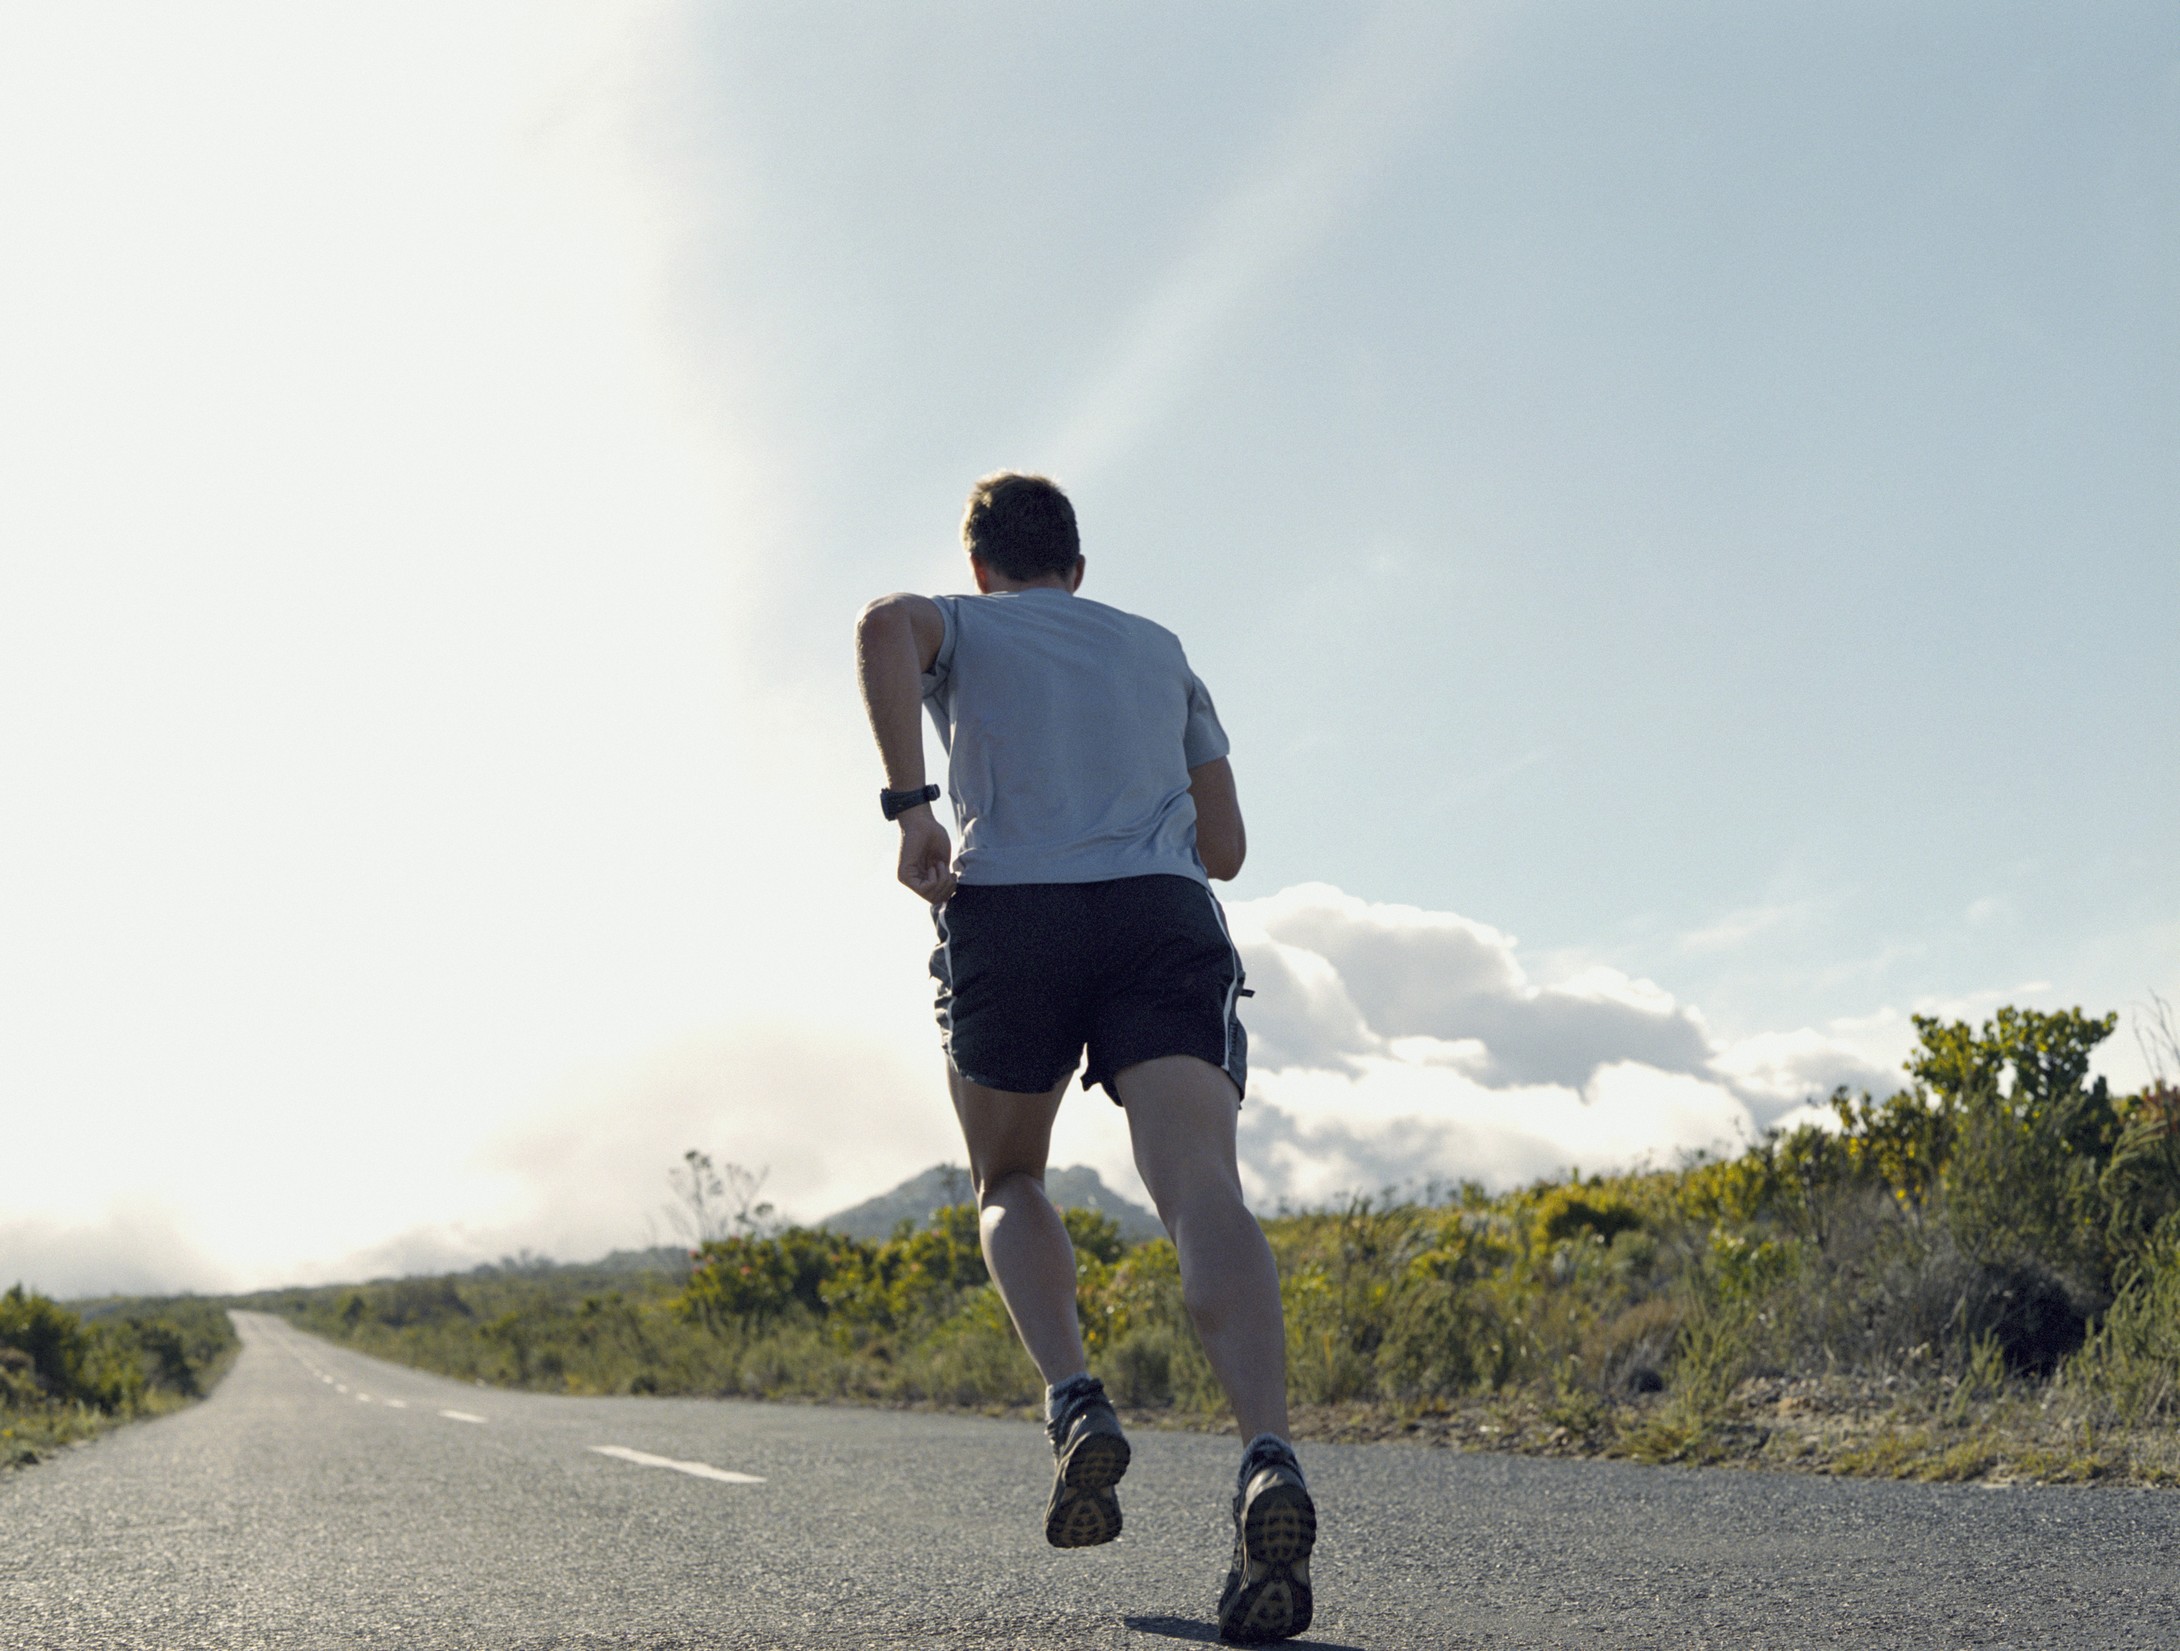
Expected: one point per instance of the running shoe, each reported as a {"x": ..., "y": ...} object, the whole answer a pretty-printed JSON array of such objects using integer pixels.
[
  {"x": 1267, "y": 1593},
  {"x": 1091, "y": 1454}
]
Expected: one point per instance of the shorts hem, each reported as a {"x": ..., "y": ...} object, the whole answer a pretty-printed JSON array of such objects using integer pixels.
[
  {"x": 984, "y": 1081},
  {"x": 1103, "y": 1075}
]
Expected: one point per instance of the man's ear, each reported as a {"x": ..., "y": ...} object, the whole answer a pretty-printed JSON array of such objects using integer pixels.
[
  {"x": 1074, "y": 580},
  {"x": 980, "y": 573}
]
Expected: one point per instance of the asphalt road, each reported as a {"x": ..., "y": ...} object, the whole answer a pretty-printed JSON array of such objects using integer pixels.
[{"x": 320, "y": 1498}]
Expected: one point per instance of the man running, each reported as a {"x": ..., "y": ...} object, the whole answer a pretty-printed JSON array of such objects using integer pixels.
[{"x": 1089, "y": 780}]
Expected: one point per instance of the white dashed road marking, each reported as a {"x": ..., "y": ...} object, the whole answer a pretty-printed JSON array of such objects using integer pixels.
[
  {"x": 701, "y": 1470},
  {"x": 620, "y": 1453}
]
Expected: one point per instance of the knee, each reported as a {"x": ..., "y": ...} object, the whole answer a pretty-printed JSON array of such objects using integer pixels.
[
  {"x": 996, "y": 1186},
  {"x": 1206, "y": 1209}
]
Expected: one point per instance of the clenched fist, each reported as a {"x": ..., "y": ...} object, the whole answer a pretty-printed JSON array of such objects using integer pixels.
[{"x": 927, "y": 856}]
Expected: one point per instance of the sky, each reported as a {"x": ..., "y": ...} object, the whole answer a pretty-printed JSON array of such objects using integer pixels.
[{"x": 1676, "y": 506}]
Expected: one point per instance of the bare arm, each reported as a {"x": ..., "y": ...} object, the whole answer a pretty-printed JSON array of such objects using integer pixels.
[
  {"x": 1220, "y": 841},
  {"x": 896, "y": 640}
]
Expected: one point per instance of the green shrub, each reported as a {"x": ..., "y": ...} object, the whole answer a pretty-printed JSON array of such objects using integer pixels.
[
  {"x": 970, "y": 1358},
  {"x": 1578, "y": 1212},
  {"x": 60, "y": 1354},
  {"x": 1630, "y": 1351},
  {"x": 1095, "y": 1235},
  {"x": 66, "y": 1375},
  {"x": 2130, "y": 1366},
  {"x": 911, "y": 1280},
  {"x": 1136, "y": 1330},
  {"x": 2140, "y": 1186},
  {"x": 111, "y": 1359},
  {"x": 749, "y": 1281}
]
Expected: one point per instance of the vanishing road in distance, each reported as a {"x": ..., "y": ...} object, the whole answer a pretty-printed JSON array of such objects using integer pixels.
[{"x": 320, "y": 1498}]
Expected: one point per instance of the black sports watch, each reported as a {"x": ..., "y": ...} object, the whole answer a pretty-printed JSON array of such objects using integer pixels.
[{"x": 897, "y": 803}]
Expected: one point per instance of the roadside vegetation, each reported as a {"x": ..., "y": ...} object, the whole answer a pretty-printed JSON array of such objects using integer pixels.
[
  {"x": 1975, "y": 1278},
  {"x": 68, "y": 1374}
]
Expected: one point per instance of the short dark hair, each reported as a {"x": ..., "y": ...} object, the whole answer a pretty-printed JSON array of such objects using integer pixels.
[{"x": 1021, "y": 525}]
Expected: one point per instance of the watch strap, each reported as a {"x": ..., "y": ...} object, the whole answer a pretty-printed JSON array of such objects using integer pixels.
[{"x": 897, "y": 803}]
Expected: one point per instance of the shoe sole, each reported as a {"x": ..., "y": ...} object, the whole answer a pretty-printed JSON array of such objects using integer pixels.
[
  {"x": 1084, "y": 1510},
  {"x": 1274, "y": 1602}
]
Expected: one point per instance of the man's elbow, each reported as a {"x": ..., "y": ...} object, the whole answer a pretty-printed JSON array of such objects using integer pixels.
[{"x": 1222, "y": 860}]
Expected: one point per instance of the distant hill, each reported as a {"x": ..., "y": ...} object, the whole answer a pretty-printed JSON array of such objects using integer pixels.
[
  {"x": 671, "y": 1260},
  {"x": 914, "y": 1200}
]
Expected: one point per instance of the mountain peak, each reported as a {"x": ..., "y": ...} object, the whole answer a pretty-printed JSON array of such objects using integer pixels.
[{"x": 1078, "y": 1186}]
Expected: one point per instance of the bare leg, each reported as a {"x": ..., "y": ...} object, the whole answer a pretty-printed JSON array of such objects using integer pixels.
[
  {"x": 1181, "y": 1114},
  {"x": 1025, "y": 1242}
]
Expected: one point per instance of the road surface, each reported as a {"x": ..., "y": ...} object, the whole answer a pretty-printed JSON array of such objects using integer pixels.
[{"x": 320, "y": 1498}]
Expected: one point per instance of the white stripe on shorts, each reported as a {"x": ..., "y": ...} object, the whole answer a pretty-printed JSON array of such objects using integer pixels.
[{"x": 1233, "y": 989}]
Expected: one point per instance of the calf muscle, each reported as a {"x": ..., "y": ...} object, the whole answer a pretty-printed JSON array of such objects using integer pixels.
[
  {"x": 1025, "y": 1242},
  {"x": 1181, "y": 1117}
]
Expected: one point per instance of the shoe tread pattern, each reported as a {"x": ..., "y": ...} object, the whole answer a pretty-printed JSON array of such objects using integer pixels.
[
  {"x": 1268, "y": 1594},
  {"x": 1084, "y": 1511}
]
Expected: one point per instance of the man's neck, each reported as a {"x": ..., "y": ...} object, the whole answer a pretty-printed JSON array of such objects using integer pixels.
[{"x": 992, "y": 582}]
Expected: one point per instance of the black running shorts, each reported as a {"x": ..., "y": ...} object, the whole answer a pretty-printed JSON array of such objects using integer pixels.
[{"x": 1135, "y": 968}]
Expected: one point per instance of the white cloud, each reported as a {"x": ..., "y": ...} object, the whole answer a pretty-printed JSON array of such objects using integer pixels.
[
  {"x": 830, "y": 1115},
  {"x": 1393, "y": 1045},
  {"x": 1309, "y": 1136},
  {"x": 129, "y": 1249},
  {"x": 1779, "y": 1070},
  {"x": 1402, "y": 972},
  {"x": 1737, "y": 928}
]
